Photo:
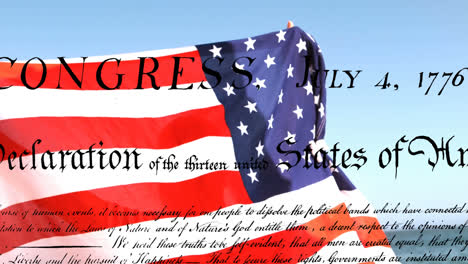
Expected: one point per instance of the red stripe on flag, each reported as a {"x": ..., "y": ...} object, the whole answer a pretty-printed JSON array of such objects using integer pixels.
[
  {"x": 192, "y": 72},
  {"x": 264, "y": 247},
  {"x": 70, "y": 133},
  {"x": 206, "y": 193}
]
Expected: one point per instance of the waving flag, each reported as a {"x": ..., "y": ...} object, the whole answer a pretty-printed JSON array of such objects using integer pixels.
[{"x": 231, "y": 104}]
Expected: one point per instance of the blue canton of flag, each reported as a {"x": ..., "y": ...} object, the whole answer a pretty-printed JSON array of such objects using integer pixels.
[{"x": 274, "y": 107}]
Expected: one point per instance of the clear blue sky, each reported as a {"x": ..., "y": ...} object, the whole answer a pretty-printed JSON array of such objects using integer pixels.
[{"x": 400, "y": 37}]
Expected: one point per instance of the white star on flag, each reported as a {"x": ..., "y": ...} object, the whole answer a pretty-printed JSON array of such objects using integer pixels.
[
  {"x": 322, "y": 110},
  {"x": 290, "y": 71},
  {"x": 243, "y": 128},
  {"x": 259, "y": 83},
  {"x": 280, "y": 36},
  {"x": 301, "y": 45},
  {"x": 270, "y": 122},
  {"x": 292, "y": 136},
  {"x": 216, "y": 51},
  {"x": 252, "y": 175},
  {"x": 251, "y": 107},
  {"x": 298, "y": 112},
  {"x": 283, "y": 167},
  {"x": 309, "y": 88},
  {"x": 280, "y": 97},
  {"x": 229, "y": 89},
  {"x": 250, "y": 44},
  {"x": 259, "y": 149},
  {"x": 269, "y": 61}
]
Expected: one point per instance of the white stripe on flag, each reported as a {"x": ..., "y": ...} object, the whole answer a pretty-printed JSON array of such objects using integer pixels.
[
  {"x": 122, "y": 56},
  {"x": 81, "y": 180},
  {"x": 19, "y": 102}
]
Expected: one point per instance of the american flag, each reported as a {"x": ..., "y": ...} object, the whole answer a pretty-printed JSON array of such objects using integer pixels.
[{"x": 250, "y": 214}]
